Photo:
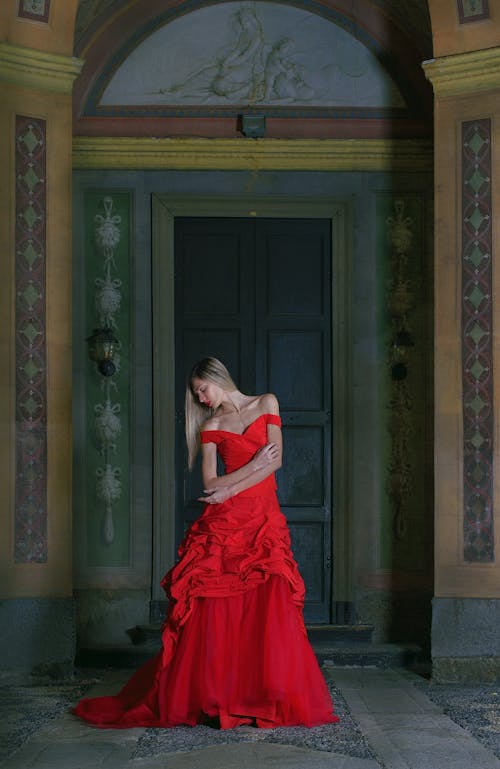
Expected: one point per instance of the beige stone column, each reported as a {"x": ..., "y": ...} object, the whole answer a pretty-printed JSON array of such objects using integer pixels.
[
  {"x": 466, "y": 611},
  {"x": 36, "y": 80}
]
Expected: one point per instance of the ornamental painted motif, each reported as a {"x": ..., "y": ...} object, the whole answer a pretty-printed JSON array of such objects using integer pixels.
[
  {"x": 253, "y": 54},
  {"x": 107, "y": 422},
  {"x": 401, "y": 301},
  {"x": 37, "y": 10},
  {"x": 30, "y": 531},
  {"x": 477, "y": 341},
  {"x": 472, "y": 10}
]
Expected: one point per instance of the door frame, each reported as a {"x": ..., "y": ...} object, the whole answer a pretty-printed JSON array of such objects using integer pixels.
[{"x": 165, "y": 208}]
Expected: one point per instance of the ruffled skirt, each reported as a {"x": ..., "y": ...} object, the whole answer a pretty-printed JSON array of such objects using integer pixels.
[
  {"x": 234, "y": 645},
  {"x": 239, "y": 660}
]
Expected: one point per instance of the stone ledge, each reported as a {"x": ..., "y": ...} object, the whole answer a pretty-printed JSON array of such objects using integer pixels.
[
  {"x": 464, "y": 73},
  {"x": 38, "y": 70},
  {"x": 464, "y": 670},
  {"x": 147, "y": 153}
]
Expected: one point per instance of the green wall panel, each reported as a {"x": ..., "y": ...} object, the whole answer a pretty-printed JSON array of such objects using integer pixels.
[{"x": 107, "y": 247}]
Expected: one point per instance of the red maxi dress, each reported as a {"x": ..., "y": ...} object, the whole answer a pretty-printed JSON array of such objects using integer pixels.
[{"x": 234, "y": 645}]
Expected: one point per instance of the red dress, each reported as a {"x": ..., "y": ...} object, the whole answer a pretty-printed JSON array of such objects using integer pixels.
[{"x": 234, "y": 645}]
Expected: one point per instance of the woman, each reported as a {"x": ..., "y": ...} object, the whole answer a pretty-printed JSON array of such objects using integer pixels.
[{"x": 234, "y": 646}]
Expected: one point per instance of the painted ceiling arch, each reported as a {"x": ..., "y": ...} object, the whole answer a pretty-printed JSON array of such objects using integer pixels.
[
  {"x": 410, "y": 16},
  {"x": 315, "y": 68}
]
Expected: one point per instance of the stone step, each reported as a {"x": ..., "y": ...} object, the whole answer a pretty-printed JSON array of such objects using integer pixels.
[
  {"x": 370, "y": 655},
  {"x": 319, "y": 635},
  {"x": 333, "y": 635},
  {"x": 340, "y": 655},
  {"x": 337, "y": 645}
]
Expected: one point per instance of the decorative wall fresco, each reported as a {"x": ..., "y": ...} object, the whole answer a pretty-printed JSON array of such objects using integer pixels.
[
  {"x": 30, "y": 533},
  {"x": 34, "y": 9},
  {"x": 252, "y": 54},
  {"x": 401, "y": 301},
  {"x": 404, "y": 306},
  {"x": 107, "y": 259},
  {"x": 477, "y": 341},
  {"x": 472, "y": 10}
]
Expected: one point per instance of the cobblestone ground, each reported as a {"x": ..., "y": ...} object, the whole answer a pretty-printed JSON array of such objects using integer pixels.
[{"x": 376, "y": 723}]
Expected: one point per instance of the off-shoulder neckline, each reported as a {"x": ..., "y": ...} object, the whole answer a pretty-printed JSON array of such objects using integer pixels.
[{"x": 231, "y": 432}]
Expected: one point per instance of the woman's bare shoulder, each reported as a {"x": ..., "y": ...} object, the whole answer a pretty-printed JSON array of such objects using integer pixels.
[
  {"x": 211, "y": 424},
  {"x": 268, "y": 404}
]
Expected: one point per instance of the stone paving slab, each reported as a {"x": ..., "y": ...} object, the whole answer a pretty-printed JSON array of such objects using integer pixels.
[
  {"x": 404, "y": 727},
  {"x": 411, "y": 746},
  {"x": 255, "y": 756}
]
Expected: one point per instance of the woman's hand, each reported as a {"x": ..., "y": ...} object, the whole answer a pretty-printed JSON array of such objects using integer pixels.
[
  {"x": 216, "y": 495},
  {"x": 266, "y": 456}
]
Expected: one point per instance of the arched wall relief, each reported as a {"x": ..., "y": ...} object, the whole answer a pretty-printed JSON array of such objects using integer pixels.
[
  {"x": 252, "y": 54},
  {"x": 315, "y": 70}
]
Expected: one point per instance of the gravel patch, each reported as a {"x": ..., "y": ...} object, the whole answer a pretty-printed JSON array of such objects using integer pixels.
[
  {"x": 343, "y": 737},
  {"x": 475, "y": 708},
  {"x": 25, "y": 709}
]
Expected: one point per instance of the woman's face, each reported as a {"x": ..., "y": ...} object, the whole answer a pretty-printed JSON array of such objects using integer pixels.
[{"x": 208, "y": 393}]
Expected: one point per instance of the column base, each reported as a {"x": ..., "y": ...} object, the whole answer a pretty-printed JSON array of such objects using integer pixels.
[{"x": 38, "y": 636}]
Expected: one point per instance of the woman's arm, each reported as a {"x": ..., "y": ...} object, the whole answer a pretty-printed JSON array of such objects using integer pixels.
[
  {"x": 268, "y": 404},
  {"x": 259, "y": 461},
  {"x": 265, "y": 462}
]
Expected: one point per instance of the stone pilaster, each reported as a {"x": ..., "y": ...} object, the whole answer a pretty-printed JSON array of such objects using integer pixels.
[
  {"x": 467, "y": 317},
  {"x": 35, "y": 353}
]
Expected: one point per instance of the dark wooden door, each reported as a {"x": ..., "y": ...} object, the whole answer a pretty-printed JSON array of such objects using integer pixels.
[{"x": 256, "y": 293}]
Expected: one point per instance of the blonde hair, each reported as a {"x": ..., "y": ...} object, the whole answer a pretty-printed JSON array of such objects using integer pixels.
[{"x": 209, "y": 370}]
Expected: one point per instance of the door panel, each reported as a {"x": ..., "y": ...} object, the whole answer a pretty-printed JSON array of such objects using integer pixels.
[
  {"x": 293, "y": 344},
  {"x": 304, "y": 453},
  {"x": 305, "y": 538},
  {"x": 257, "y": 295},
  {"x": 295, "y": 360},
  {"x": 214, "y": 284}
]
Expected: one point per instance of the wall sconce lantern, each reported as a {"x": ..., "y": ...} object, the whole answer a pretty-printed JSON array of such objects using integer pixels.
[
  {"x": 253, "y": 126},
  {"x": 102, "y": 347},
  {"x": 400, "y": 348}
]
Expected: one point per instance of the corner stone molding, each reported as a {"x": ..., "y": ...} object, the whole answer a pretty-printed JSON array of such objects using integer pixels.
[
  {"x": 39, "y": 70},
  {"x": 464, "y": 73}
]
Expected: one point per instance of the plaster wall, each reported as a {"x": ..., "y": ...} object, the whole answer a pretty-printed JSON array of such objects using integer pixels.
[
  {"x": 452, "y": 37},
  {"x": 36, "y": 603},
  {"x": 53, "y": 577},
  {"x": 54, "y": 37}
]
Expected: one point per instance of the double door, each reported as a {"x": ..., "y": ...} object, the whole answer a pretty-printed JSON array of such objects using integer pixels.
[{"x": 256, "y": 293}]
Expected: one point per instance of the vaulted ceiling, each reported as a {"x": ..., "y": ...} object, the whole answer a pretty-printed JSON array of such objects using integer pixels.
[{"x": 410, "y": 16}]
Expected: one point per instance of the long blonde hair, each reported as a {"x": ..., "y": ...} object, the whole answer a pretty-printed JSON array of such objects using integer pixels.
[{"x": 209, "y": 370}]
